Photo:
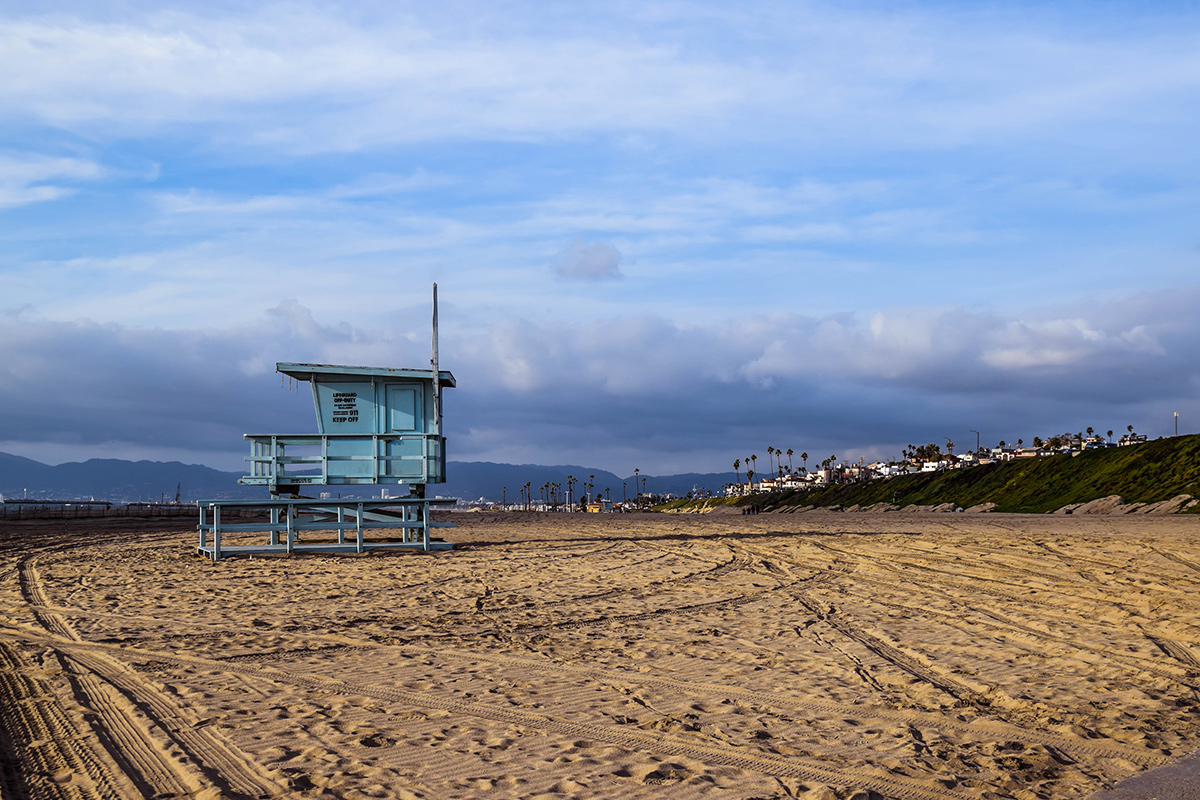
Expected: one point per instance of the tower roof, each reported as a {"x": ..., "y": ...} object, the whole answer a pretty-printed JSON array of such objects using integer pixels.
[{"x": 307, "y": 372}]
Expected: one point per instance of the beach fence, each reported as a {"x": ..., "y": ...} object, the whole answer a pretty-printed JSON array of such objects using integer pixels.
[{"x": 29, "y": 509}]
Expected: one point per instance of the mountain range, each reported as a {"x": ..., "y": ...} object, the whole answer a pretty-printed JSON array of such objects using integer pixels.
[{"x": 123, "y": 481}]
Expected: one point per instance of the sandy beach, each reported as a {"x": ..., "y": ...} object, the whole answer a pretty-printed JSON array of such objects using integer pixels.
[{"x": 817, "y": 655}]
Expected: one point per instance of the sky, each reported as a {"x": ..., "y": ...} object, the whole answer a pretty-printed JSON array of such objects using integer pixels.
[{"x": 665, "y": 234}]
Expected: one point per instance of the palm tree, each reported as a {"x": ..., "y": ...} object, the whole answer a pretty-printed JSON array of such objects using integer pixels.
[
  {"x": 789, "y": 452},
  {"x": 737, "y": 465},
  {"x": 771, "y": 450},
  {"x": 1089, "y": 431},
  {"x": 1110, "y": 436},
  {"x": 804, "y": 458},
  {"x": 636, "y": 491},
  {"x": 754, "y": 458}
]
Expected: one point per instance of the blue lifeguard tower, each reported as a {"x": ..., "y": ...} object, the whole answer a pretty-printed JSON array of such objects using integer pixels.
[{"x": 376, "y": 426}]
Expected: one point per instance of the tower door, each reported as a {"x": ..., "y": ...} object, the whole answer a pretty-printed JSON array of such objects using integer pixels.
[{"x": 405, "y": 414}]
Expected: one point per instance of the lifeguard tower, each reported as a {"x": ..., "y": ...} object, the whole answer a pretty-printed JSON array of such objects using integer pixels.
[{"x": 376, "y": 426}]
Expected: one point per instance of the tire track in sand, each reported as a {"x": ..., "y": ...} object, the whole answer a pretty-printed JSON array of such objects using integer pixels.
[
  {"x": 891, "y": 786},
  {"x": 1190, "y": 668},
  {"x": 1180, "y": 560},
  {"x": 980, "y": 727},
  {"x": 995, "y": 702},
  {"x": 220, "y": 763},
  {"x": 143, "y": 760},
  {"x": 128, "y": 724},
  {"x": 31, "y": 590},
  {"x": 41, "y": 743},
  {"x": 644, "y": 590}
]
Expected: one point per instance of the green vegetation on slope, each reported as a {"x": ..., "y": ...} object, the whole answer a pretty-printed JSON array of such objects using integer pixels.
[{"x": 1144, "y": 473}]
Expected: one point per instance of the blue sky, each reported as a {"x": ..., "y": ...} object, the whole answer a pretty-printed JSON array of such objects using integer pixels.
[{"x": 666, "y": 235}]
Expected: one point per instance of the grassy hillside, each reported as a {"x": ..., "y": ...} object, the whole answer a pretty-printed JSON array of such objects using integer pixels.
[{"x": 1146, "y": 473}]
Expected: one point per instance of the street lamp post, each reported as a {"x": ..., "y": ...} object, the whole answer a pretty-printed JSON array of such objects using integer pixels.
[{"x": 976, "y": 440}]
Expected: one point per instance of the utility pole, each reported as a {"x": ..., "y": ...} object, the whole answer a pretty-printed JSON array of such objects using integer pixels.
[{"x": 976, "y": 440}]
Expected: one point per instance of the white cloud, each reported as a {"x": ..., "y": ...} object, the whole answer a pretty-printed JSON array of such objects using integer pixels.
[
  {"x": 588, "y": 261},
  {"x": 33, "y": 178},
  {"x": 316, "y": 78},
  {"x": 1065, "y": 343}
]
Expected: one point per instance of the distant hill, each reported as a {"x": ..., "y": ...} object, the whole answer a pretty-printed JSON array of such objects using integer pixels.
[
  {"x": 18, "y": 470},
  {"x": 1144, "y": 473},
  {"x": 124, "y": 481},
  {"x": 118, "y": 480}
]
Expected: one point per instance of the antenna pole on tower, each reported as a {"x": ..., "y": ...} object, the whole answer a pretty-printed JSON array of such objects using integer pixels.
[{"x": 437, "y": 394}]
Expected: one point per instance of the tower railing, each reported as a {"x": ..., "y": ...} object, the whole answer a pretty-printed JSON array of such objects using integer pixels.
[{"x": 345, "y": 459}]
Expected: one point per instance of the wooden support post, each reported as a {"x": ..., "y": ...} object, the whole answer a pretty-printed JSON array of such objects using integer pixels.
[
  {"x": 341, "y": 518},
  {"x": 425, "y": 526},
  {"x": 216, "y": 533},
  {"x": 274, "y": 521},
  {"x": 203, "y": 532},
  {"x": 291, "y": 534},
  {"x": 359, "y": 530}
]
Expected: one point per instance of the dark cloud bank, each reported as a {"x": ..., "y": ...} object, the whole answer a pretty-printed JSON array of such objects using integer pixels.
[{"x": 625, "y": 391}]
